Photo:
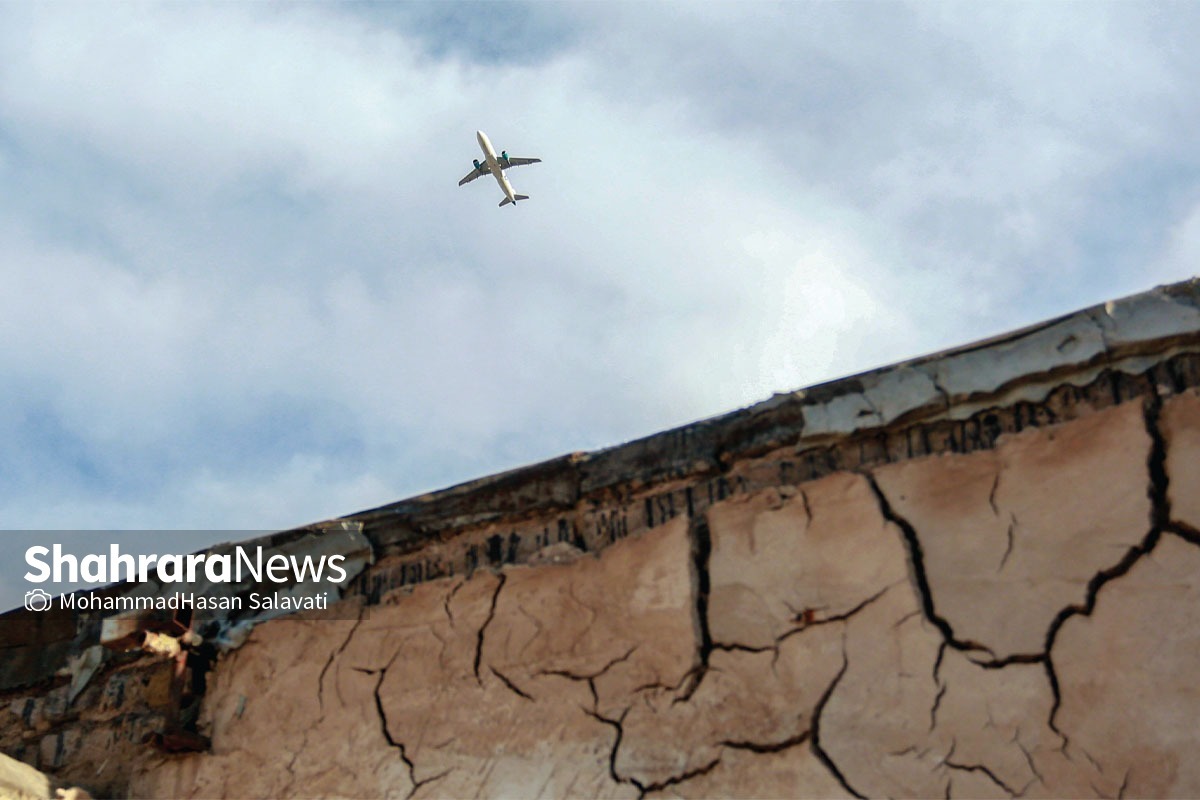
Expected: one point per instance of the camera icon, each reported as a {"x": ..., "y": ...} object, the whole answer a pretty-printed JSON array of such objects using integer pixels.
[{"x": 38, "y": 600}]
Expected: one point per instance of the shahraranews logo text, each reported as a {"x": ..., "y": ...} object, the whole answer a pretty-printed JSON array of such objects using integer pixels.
[{"x": 217, "y": 567}]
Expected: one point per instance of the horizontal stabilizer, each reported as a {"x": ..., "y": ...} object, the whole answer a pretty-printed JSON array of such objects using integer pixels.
[{"x": 516, "y": 197}]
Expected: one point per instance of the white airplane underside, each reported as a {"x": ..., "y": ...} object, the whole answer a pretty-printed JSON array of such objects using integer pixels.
[{"x": 495, "y": 165}]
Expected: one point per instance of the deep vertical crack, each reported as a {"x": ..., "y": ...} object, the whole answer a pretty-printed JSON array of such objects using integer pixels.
[
  {"x": 617, "y": 725},
  {"x": 815, "y": 730},
  {"x": 1160, "y": 515},
  {"x": 992, "y": 494},
  {"x": 491, "y": 615},
  {"x": 387, "y": 734},
  {"x": 937, "y": 703},
  {"x": 332, "y": 657},
  {"x": 701, "y": 551},
  {"x": 1012, "y": 524},
  {"x": 916, "y": 557},
  {"x": 1156, "y": 464}
]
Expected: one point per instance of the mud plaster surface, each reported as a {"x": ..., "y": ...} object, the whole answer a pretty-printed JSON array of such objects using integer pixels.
[{"x": 1022, "y": 620}]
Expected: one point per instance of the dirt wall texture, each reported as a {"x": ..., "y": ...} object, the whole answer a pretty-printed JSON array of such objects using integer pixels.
[{"x": 996, "y": 595}]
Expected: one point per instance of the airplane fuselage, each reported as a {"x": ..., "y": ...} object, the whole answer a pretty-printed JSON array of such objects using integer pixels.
[{"x": 493, "y": 162}]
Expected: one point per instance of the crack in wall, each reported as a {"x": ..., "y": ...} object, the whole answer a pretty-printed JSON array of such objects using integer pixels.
[
  {"x": 916, "y": 560},
  {"x": 981, "y": 768},
  {"x": 387, "y": 734},
  {"x": 1159, "y": 520},
  {"x": 1160, "y": 514},
  {"x": 508, "y": 682},
  {"x": 1012, "y": 525},
  {"x": 1037, "y": 775},
  {"x": 482, "y": 628},
  {"x": 329, "y": 662},
  {"x": 808, "y": 619},
  {"x": 774, "y": 747},
  {"x": 1156, "y": 463},
  {"x": 815, "y": 730},
  {"x": 701, "y": 551},
  {"x": 937, "y": 703},
  {"x": 1185, "y": 532},
  {"x": 676, "y": 779},
  {"x": 590, "y": 678},
  {"x": 449, "y": 597},
  {"x": 617, "y": 725}
]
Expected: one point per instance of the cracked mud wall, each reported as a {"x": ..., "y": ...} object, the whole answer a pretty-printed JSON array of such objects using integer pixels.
[
  {"x": 1022, "y": 620},
  {"x": 970, "y": 575}
]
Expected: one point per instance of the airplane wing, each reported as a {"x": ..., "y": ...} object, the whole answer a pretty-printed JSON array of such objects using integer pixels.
[
  {"x": 475, "y": 173},
  {"x": 519, "y": 162}
]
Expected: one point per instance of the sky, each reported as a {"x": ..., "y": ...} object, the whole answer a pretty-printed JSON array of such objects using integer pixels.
[{"x": 240, "y": 288}]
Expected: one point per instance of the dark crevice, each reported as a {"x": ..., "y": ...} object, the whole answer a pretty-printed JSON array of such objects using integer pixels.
[
  {"x": 387, "y": 734},
  {"x": 815, "y": 731},
  {"x": 807, "y": 508},
  {"x": 701, "y": 540},
  {"x": 449, "y": 597},
  {"x": 1160, "y": 503},
  {"x": 1091, "y": 760},
  {"x": 937, "y": 663},
  {"x": 916, "y": 557},
  {"x": 1185, "y": 532},
  {"x": 992, "y": 494},
  {"x": 491, "y": 615},
  {"x": 1098, "y": 581},
  {"x": 1032, "y": 766},
  {"x": 676, "y": 779},
  {"x": 1160, "y": 515},
  {"x": 734, "y": 647},
  {"x": 418, "y": 784},
  {"x": 332, "y": 657},
  {"x": 505, "y": 680},
  {"x": 592, "y": 676},
  {"x": 617, "y": 725},
  {"x": 937, "y": 702},
  {"x": 1012, "y": 524},
  {"x": 756, "y": 747},
  {"x": 809, "y": 619},
  {"x": 983, "y": 769}
]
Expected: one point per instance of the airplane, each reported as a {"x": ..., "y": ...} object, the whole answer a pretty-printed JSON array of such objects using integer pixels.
[{"x": 496, "y": 164}]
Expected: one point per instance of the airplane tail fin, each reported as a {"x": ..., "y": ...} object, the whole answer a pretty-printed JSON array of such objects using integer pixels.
[{"x": 516, "y": 197}]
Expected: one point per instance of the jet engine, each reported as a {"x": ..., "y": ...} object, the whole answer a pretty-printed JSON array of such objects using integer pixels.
[{"x": 475, "y": 161}]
